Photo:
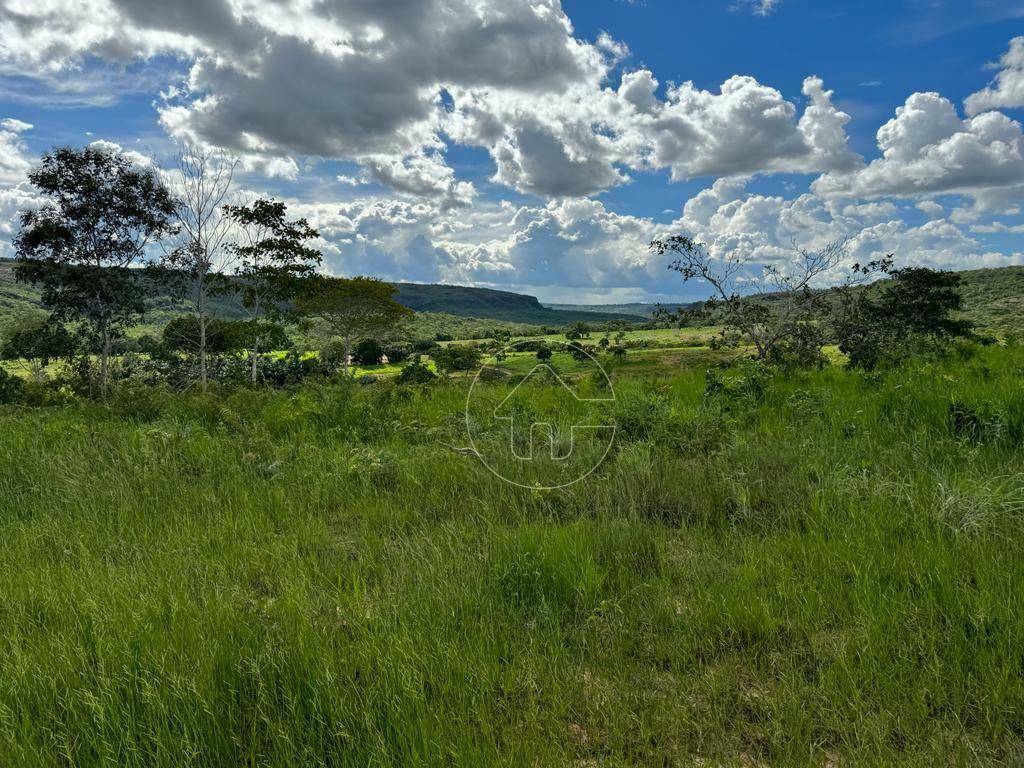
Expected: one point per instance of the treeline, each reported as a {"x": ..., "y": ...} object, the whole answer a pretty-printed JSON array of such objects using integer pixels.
[
  {"x": 110, "y": 232},
  {"x": 788, "y": 320}
]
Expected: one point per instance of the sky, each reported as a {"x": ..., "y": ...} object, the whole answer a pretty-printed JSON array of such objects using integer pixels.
[{"x": 540, "y": 145}]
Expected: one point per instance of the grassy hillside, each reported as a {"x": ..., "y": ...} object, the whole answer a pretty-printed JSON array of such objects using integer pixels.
[
  {"x": 487, "y": 303},
  {"x": 458, "y": 311},
  {"x": 993, "y": 298},
  {"x": 994, "y": 301},
  {"x": 806, "y": 570}
]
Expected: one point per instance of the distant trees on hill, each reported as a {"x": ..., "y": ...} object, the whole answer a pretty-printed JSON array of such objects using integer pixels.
[{"x": 789, "y": 316}]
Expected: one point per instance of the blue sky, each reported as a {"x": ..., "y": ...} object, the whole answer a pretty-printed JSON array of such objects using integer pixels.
[{"x": 538, "y": 145}]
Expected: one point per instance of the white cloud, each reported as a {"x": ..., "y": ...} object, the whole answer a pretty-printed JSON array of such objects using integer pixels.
[
  {"x": 931, "y": 208},
  {"x": 1007, "y": 90},
  {"x": 927, "y": 149},
  {"x": 763, "y": 229},
  {"x": 14, "y": 162},
  {"x": 382, "y": 83}
]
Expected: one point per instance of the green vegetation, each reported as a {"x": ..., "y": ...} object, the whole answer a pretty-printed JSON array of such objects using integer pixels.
[
  {"x": 789, "y": 538},
  {"x": 496, "y": 305},
  {"x": 801, "y": 569},
  {"x": 993, "y": 301}
]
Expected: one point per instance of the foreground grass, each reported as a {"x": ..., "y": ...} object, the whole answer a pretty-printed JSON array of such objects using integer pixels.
[{"x": 806, "y": 570}]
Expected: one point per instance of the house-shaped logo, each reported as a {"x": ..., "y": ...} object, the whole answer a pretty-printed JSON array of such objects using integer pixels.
[
  {"x": 523, "y": 431},
  {"x": 550, "y": 430}
]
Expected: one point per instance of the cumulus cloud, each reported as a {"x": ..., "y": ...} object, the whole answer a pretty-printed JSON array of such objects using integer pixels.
[
  {"x": 1007, "y": 90},
  {"x": 928, "y": 149},
  {"x": 14, "y": 162},
  {"x": 762, "y": 229},
  {"x": 386, "y": 85},
  {"x": 588, "y": 138}
]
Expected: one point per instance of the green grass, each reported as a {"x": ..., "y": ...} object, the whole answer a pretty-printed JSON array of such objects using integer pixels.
[{"x": 815, "y": 569}]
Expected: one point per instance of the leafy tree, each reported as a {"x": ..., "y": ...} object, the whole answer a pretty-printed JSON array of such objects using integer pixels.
[
  {"x": 544, "y": 353},
  {"x": 274, "y": 266},
  {"x": 457, "y": 357},
  {"x": 11, "y": 387},
  {"x": 915, "y": 302},
  {"x": 923, "y": 301},
  {"x": 351, "y": 308},
  {"x": 222, "y": 336},
  {"x": 577, "y": 331},
  {"x": 416, "y": 373},
  {"x": 581, "y": 352},
  {"x": 784, "y": 304},
  {"x": 502, "y": 338},
  {"x": 397, "y": 353},
  {"x": 197, "y": 258},
  {"x": 99, "y": 212},
  {"x": 368, "y": 352},
  {"x": 38, "y": 339}
]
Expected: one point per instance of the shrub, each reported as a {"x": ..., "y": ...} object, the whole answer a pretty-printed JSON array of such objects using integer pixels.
[
  {"x": 416, "y": 373},
  {"x": 368, "y": 352},
  {"x": 457, "y": 358},
  {"x": 11, "y": 387},
  {"x": 397, "y": 353}
]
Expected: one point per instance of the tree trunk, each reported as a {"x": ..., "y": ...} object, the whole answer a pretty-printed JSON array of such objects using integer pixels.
[
  {"x": 348, "y": 353},
  {"x": 254, "y": 355},
  {"x": 202, "y": 335},
  {"x": 256, "y": 337},
  {"x": 104, "y": 360}
]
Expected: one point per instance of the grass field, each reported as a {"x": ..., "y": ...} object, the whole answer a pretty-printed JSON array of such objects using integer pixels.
[{"x": 811, "y": 569}]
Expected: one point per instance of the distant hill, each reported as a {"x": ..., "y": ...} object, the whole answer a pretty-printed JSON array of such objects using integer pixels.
[
  {"x": 496, "y": 305},
  {"x": 634, "y": 310},
  {"x": 458, "y": 301},
  {"x": 993, "y": 300}
]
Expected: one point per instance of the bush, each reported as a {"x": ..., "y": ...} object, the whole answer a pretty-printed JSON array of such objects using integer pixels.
[
  {"x": 416, "y": 373},
  {"x": 457, "y": 358},
  {"x": 368, "y": 352},
  {"x": 11, "y": 388},
  {"x": 397, "y": 353}
]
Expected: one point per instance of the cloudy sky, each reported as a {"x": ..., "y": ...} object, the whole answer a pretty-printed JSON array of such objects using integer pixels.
[{"x": 539, "y": 145}]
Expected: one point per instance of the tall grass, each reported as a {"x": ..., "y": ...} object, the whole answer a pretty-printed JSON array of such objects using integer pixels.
[{"x": 811, "y": 569}]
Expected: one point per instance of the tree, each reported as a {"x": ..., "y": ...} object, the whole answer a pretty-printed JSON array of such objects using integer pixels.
[
  {"x": 274, "y": 265},
  {"x": 502, "y": 337},
  {"x": 351, "y": 308},
  {"x": 397, "y": 352},
  {"x": 39, "y": 340},
  {"x": 577, "y": 331},
  {"x": 784, "y": 304},
  {"x": 581, "y": 352},
  {"x": 222, "y": 336},
  {"x": 915, "y": 302},
  {"x": 544, "y": 353},
  {"x": 200, "y": 254},
  {"x": 922, "y": 301},
  {"x": 416, "y": 373},
  {"x": 99, "y": 213},
  {"x": 457, "y": 357},
  {"x": 368, "y": 352}
]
